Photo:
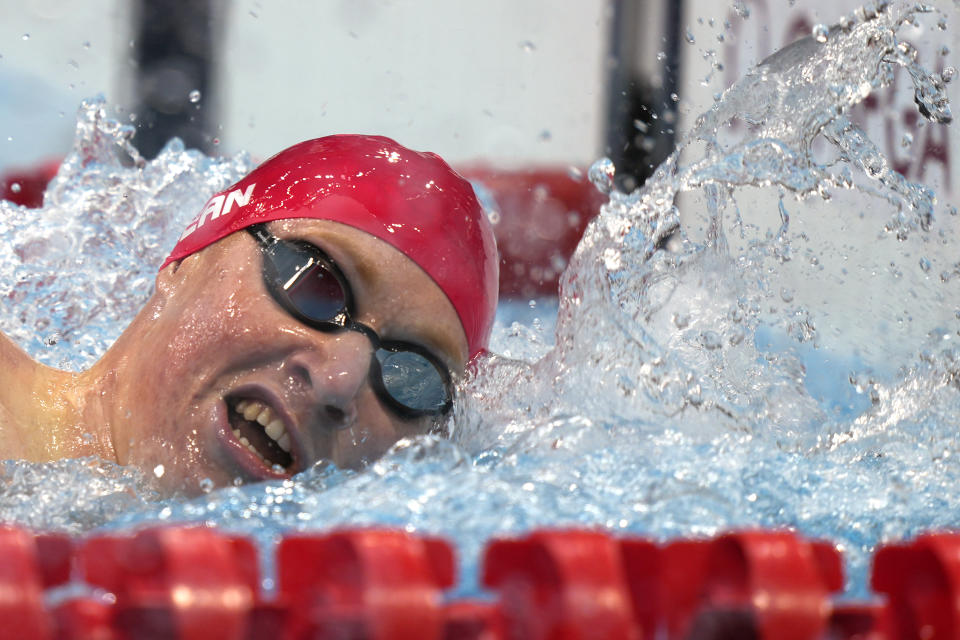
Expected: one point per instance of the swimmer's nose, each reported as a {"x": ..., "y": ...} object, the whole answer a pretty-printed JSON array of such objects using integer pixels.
[{"x": 332, "y": 374}]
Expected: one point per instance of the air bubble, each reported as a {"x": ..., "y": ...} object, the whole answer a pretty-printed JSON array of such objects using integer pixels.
[
  {"x": 195, "y": 96},
  {"x": 820, "y": 32}
]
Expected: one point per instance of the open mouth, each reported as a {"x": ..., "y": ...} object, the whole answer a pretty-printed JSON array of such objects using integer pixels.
[{"x": 259, "y": 429}]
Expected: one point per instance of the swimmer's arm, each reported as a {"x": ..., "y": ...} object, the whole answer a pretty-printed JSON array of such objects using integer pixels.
[{"x": 18, "y": 375}]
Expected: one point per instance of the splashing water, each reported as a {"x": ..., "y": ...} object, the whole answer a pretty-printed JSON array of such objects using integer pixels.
[
  {"x": 764, "y": 334},
  {"x": 107, "y": 222}
]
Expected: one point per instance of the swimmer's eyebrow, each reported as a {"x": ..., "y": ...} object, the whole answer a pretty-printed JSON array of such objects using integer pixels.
[{"x": 440, "y": 344}]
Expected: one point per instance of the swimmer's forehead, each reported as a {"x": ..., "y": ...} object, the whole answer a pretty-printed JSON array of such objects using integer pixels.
[{"x": 393, "y": 294}]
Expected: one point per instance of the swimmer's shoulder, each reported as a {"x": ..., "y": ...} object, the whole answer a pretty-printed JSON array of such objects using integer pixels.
[
  {"x": 15, "y": 364},
  {"x": 20, "y": 412}
]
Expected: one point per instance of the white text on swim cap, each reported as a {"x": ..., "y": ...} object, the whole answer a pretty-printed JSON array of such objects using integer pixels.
[{"x": 219, "y": 205}]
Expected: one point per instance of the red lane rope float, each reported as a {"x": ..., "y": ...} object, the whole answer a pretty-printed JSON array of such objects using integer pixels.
[
  {"x": 767, "y": 585},
  {"x": 26, "y": 186},
  {"x": 28, "y": 566},
  {"x": 921, "y": 580},
  {"x": 364, "y": 584},
  {"x": 175, "y": 582},
  {"x": 542, "y": 215},
  {"x": 574, "y": 581},
  {"x": 378, "y": 584}
]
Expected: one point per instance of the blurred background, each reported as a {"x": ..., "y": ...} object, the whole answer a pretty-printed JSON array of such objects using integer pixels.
[{"x": 520, "y": 96}]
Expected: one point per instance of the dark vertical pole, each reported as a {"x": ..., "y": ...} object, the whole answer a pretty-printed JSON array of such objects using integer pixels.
[
  {"x": 174, "y": 48},
  {"x": 644, "y": 76}
]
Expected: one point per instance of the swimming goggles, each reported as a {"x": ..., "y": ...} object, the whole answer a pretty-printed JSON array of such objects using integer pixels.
[{"x": 307, "y": 283}]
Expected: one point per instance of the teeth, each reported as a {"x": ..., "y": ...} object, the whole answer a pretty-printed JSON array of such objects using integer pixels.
[
  {"x": 265, "y": 417},
  {"x": 254, "y": 410},
  {"x": 251, "y": 411},
  {"x": 275, "y": 429}
]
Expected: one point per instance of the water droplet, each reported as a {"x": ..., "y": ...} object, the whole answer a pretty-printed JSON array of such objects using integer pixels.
[
  {"x": 820, "y": 32},
  {"x": 661, "y": 56},
  {"x": 601, "y": 174},
  {"x": 681, "y": 320},
  {"x": 195, "y": 96},
  {"x": 675, "y": 97},
  {"x": 206, "y": 485},
  {"x": 925, "y": 264},
  {"x": 528, "y": 46},
  {"x": 545, "y": 135},
  {"x": 73, "y": 63},
  {"x": 907, "y": 140},
  {"x": 158, "y": 471},
  {"x": 25, "y": 36},
  {"x": 741, "y": 9},
  {"x": 786, "y": 295},
  {"x": 86, "y": 44},
  {"x": 688, "y": 36},
  {"x": 15, "y": 187},
  {"x": 948, "y": 74}
]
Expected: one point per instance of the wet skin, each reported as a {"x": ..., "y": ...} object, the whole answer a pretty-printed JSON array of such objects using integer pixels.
[{"x": 164, "y": 396}]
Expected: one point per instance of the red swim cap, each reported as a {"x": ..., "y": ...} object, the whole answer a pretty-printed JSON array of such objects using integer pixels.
[{"x": 413, "y": 201}]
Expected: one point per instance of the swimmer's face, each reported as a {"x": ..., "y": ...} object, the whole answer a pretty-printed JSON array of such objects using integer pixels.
[{"x": 221, "y": 355}]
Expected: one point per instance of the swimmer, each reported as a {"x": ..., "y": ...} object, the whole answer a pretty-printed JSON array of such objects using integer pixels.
[{"x": 321, "y": 308}]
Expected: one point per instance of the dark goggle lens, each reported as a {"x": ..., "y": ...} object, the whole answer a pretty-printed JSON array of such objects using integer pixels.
[
  {"x": 413, "y": 381},
  {"x": 312, "y": 289}
]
